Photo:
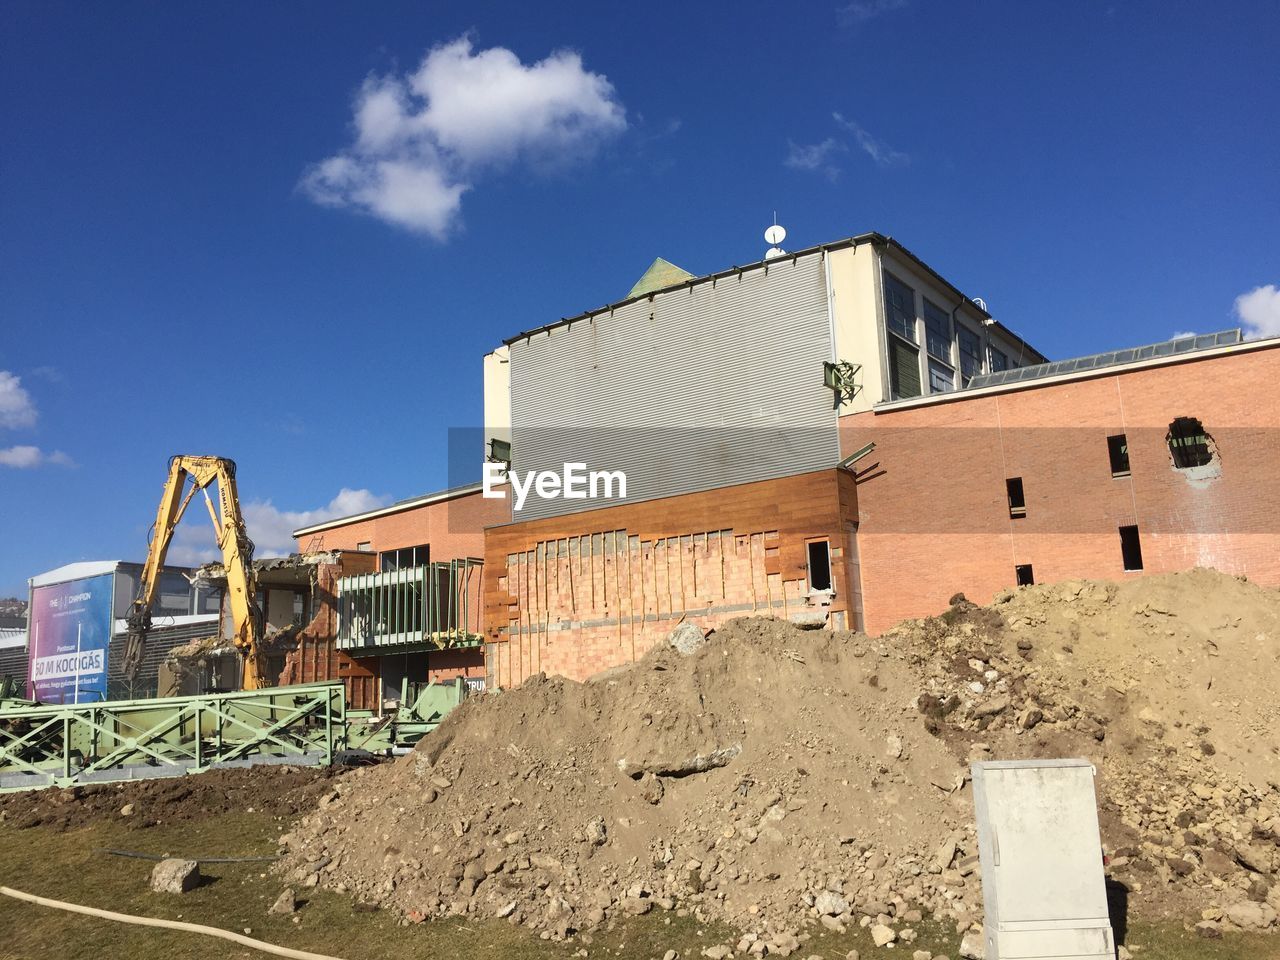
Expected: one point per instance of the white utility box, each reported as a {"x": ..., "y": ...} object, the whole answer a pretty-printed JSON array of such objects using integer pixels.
[{"x": 1043, "y": 888}]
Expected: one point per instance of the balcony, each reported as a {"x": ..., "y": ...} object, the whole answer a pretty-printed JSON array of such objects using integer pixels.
[{"x": 435, "y": 606}]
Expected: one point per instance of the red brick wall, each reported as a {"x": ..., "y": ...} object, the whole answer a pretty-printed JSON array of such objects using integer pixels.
[
  {"x": 454, "y": 528},
  {"x": 934, "y": 517},
  {"x": 578, "y": 594}
]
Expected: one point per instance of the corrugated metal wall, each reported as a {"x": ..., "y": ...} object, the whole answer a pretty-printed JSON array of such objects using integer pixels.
[{"x": 702, "y": 387}]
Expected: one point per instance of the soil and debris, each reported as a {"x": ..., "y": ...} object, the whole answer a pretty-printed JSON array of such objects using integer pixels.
[
  {"x": 282, "y": 791},
  {"x": 778, "y": 779}
]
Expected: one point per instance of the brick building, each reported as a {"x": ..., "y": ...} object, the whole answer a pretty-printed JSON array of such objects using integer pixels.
[
  {"x": 837, "y": 436},
  {"x": 410, "y": 614}
]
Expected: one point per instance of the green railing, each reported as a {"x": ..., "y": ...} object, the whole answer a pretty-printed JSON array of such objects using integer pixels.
[
  {"x": 430, "y": 607},
  {"x": 68, "y": 744}
]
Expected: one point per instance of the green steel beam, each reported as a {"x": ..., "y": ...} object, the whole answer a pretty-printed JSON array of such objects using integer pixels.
[{"x": 62, "y": 745}]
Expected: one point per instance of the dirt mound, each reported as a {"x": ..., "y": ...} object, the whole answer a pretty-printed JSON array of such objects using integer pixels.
[
  {"x": 775, "y": 777},
  {"x": 274, "y": 790}
]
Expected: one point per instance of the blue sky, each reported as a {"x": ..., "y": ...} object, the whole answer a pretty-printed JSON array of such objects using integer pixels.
[{"x": 288, "y": 233}]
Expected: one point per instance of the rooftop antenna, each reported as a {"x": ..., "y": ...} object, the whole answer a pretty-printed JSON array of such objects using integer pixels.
[{"x": 774, "y": 236}]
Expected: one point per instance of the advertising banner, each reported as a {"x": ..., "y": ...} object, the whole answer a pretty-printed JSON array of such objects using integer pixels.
[{"x": 69, "y": 632}]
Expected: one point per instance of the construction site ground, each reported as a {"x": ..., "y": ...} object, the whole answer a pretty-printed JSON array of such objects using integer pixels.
[
  {"x": 769, "y": 791},
  {"x": 64, "y": 863}
]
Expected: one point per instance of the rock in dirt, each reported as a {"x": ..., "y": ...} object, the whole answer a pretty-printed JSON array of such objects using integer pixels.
[
  {"x": 882, "y": 935},
  {"x": 175, "y": 876},
  {"x": 687, "y": 639},
  {"x": 285, "y": 904}
]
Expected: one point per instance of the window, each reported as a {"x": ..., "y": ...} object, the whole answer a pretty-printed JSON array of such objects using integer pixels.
[
  {"x": 1017, "y": 499},
  {"x": 1026, "y": 576},
  {"x": 970, "y": 353},
  {"x": 941, "y": 378},
  {"x": 1118, "y": 448},
  {"x": 365, "y": 547},
  {"x": 404, "y": 558},
  {"x": 937, "y": 332},
  {"x": 1188, "y": 443},
  {"x": 819, "y": 565},
  {"x": 904, "y": 369},
  {"x": 900, "y": 308},
  {"x": 999, "y": 359},
  {"x": 1131, "y": 549}
]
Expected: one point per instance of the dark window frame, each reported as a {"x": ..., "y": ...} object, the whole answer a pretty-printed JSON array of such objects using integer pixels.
[
  {"x": 933, "y": 315},
  {"x": 823, "y": 563},
  {"x": 1131, "y": 548},
  {"x": 1118, "y": 452},
  {"x": 893, "y": 310},
  {"x": 971, "y": 369},
  {"x": 937, "y": 365},
  {"x": 1016, "y": 494},
  {"x": 1025, "y": 575},
  {"x": 895, "y": 386},
  {"x": 992, "y": 353}
]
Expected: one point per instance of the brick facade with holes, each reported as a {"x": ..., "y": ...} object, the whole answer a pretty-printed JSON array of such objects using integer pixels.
[
  {"x": 578, "y": 594},
  {"x": 934, "y": 515}
]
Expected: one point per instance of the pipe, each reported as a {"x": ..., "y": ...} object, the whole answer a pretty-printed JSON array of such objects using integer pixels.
[{"x": 166, "y": 924}]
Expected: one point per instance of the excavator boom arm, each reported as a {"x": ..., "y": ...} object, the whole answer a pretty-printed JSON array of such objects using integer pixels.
[{"x": 237, "y": 560}]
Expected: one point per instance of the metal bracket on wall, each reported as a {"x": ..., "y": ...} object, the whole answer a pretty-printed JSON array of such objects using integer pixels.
[{"x": 840, "y": 377}]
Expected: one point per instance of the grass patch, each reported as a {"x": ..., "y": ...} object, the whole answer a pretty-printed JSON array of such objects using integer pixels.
[{"x": 65, "y": 866}]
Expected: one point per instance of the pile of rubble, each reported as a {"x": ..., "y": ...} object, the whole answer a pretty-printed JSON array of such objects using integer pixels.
[{"x": 780, "y": 779}]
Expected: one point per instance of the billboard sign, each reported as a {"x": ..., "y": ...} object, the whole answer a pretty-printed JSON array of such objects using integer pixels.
[{"x": 69, "y": 632}]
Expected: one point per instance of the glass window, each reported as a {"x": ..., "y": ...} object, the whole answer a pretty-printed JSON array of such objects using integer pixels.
[
  {"x": 900, "y": 308},
  {"x": 904, "y": 369},
  {"x": 970, "y": 353},
  {"x": 941, "y": 378},
  {"x": 999, "y": 360},
  {"x": 937, "y": 332},
  {"x": 1118, "y": 449}
]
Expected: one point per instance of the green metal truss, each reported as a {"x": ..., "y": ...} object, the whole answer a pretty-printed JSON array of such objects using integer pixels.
[{"x": 70, "y": 744}]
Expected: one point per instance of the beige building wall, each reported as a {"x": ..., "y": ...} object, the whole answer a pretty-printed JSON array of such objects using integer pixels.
[
  {"x": 853, "y": 285},
  {"x": 497, "y": 396}
]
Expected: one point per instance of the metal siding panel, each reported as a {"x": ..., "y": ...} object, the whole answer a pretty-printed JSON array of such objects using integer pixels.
[{"x": 703, "y": 387}]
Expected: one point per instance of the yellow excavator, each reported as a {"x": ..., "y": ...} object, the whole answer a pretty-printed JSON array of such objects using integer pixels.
[{"x": 237, "y": 559}]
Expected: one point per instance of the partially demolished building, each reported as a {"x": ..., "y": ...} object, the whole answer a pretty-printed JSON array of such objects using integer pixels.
[{"x": 837, "y": 436}]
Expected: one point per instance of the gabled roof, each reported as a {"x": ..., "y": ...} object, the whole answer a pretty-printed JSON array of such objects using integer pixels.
[{"x": 661, "y": 273}]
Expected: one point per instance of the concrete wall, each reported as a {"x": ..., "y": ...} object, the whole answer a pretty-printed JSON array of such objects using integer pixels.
[
  {"x": 935, "y": 518},
  {"x": 497, "y": 396}
]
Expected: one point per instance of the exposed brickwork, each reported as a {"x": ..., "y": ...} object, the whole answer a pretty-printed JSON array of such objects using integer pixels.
[
  {"x": 578, "y": 594},
  {"x": 316, "y": 656},
  {"x": 934, "y": 514}
]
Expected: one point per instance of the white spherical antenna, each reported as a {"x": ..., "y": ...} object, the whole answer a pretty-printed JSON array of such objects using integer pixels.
[
  {"x": 774, "y": 252},
  {"x": 774, "y": 236}
]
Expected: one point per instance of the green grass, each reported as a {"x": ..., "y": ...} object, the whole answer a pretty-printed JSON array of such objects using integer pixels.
[{"x": 65, "y": 866}]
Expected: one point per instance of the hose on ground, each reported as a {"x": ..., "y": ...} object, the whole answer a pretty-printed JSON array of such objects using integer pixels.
[
  {"x": 158, "y": 857},
  {"x": 166, "y": 924}
]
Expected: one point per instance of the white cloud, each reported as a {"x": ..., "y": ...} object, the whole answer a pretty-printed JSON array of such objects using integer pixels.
[
  {"x": 1259, "y": 311},
  {"x": 270, "y": 528},
  {"x": 877, "y": 150},
  {"x": 17, "y": 410},
  {"x": 1179, "y": 334},
  {"x": 424, "y": 139},
  {"x": 818, "y": 157},
  {"x": 24, "y": 458}
]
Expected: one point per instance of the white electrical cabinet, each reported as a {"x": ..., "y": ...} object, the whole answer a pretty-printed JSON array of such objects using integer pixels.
[{"x": 1043, "y": 888}]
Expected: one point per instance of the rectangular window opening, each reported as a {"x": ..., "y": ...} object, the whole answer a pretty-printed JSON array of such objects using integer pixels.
[
  {"x": 900, "y": 308},
  {"x": 1118, "y": 449},
  {"x": 1131, "y": 549},
  {"x": 1017, "y": 499},
  {"x": 937, "y": 330},
  {"x": 904, "y": 369},
  {"x": 365, "y": 547},
  {"x": 970, "y": 353},
  {"x": 819, "y": 565},
  {"x": 1026, "y": 576}
]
